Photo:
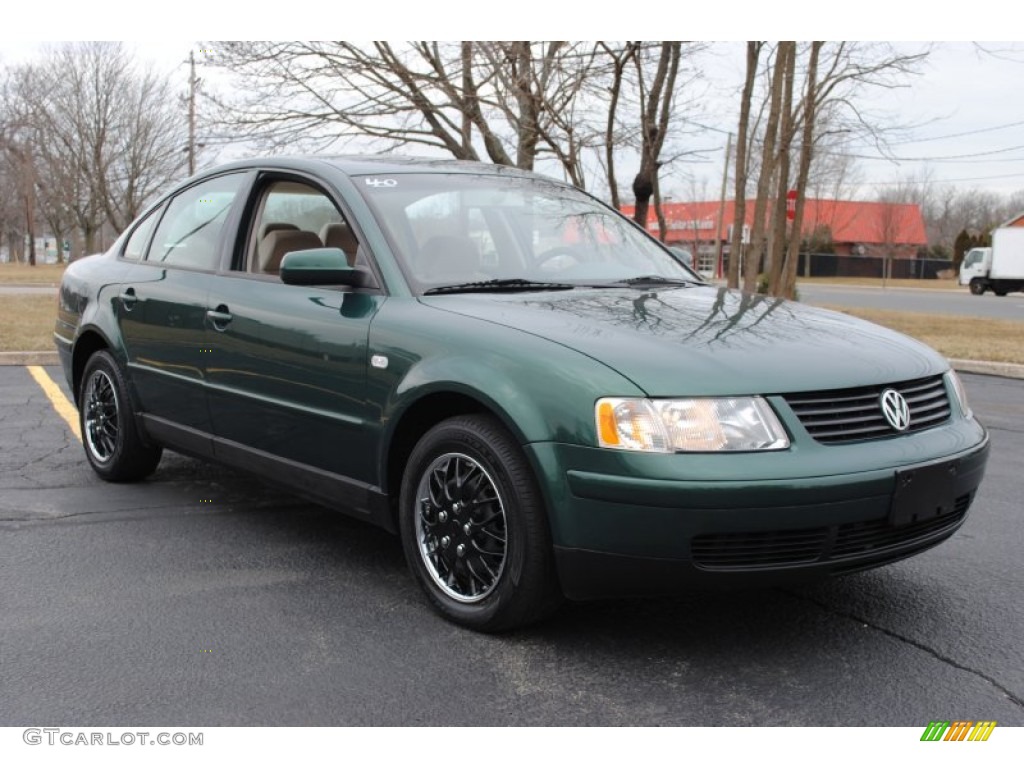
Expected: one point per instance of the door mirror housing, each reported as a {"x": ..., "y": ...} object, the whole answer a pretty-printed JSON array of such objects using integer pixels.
[{"x": 323, "y": 266}]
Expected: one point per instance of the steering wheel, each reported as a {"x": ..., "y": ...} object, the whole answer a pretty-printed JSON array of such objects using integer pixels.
[{"x": 553, "y": 253}]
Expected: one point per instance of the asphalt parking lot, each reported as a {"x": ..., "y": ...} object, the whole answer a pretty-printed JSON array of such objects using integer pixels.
[{"x": 200, "y": 597}]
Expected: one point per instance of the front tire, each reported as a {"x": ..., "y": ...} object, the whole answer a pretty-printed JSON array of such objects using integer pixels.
[
  {"x": 474, "y": 528},
  {"x": 110, "y": 436},
  {"x": 977, "y": 286}
]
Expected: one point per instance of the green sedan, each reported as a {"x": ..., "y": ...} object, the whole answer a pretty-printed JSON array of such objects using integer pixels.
[{"x": 536, "y": 396}]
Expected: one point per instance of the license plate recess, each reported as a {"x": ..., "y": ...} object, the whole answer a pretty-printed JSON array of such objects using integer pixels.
[{"x": 923, "y": 493}]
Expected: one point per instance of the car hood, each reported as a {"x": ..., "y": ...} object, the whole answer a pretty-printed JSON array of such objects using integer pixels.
[{"x": 707, "y": 341}]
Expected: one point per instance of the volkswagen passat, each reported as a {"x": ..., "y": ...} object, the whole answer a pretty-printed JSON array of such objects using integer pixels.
[{"x": 539, "y": 398}]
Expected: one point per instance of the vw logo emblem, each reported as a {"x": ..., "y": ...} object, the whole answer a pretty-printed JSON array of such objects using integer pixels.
[{"x": 896, "y": 410}]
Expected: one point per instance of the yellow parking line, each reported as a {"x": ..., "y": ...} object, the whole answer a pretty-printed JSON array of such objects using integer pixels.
[{"x": 57, "y": 398}]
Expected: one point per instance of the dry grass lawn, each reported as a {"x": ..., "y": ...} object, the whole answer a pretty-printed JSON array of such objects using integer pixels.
[
  {"x": 965, "y": 338},
  {"x": 26, "y": 323},
  {"x": 45, "y": 274}
]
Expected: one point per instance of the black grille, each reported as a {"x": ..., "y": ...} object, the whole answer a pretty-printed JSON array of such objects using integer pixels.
[
  {"x": 857, "y": 538},
  {"x": 731, "y": 550},
  {"x": 846, "y": 415},
  {"x": 766, "y": 549}
]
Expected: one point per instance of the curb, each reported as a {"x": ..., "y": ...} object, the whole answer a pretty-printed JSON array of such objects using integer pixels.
[{"x": 1007, "y": 370}]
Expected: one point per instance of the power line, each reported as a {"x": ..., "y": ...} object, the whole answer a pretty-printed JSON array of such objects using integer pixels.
[
  {"x": 936, "y": 158},
  {"x": 932, "y": 159},
  {"x": 706, "y": 127},
  {"x": 949, "y": 181},
  {"x": 959, "y": 135},
  {"x": 981, "y": 161}
]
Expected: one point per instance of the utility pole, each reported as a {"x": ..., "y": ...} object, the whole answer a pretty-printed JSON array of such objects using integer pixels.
[
  {"x": 719, "y": 237},
  {"x": 193, "y": 85},
  {"x": 467, "y": 88}
]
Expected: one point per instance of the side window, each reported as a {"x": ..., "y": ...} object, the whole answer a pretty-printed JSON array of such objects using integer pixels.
[
  {"x": 294, "y": 216},
  {"x": 135, "y": 248},
  {"x": 190, "y": 231}
]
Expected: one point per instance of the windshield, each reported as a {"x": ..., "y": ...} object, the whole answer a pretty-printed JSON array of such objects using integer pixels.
[
  {"x": 450, "y": 229},
  {"x": 974, "y": 257}
]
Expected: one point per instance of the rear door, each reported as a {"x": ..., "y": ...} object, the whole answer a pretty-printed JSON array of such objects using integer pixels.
[{"x": 162, "y": 304}]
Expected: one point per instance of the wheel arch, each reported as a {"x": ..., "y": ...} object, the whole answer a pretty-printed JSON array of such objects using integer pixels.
[
  {"x": 524, "y": 587},
  {"x": 418, "y": 416},
  {"x": 88, "y": 343}
]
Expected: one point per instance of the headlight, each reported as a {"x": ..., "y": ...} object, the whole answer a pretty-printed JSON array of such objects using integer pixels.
[
  {"x": 961, "y": 393},
  {"x": 698, "y": 424}
]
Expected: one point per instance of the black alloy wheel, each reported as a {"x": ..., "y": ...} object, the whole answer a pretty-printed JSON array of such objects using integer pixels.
[
  {"x": 113, "y": 446},
  {"x": 474, "y": 528}
]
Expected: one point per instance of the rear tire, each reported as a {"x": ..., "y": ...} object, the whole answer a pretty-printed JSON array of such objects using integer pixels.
[
  {"x": 113, "y": 446},
  {"x": 474, "y": 527}
]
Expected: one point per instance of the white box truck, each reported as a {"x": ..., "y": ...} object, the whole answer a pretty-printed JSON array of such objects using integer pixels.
[{"x": 999, "y": 268}]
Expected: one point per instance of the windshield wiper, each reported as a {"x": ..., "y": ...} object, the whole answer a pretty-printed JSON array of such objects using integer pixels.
[
  {"x": 644, "y": 281},
  {"x": 511, "y": 284}
]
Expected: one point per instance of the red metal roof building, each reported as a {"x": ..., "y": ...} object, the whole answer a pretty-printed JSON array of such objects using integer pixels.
[
  {"x": 857, "y": 228},
  {"x": 1016, "y": 221}
]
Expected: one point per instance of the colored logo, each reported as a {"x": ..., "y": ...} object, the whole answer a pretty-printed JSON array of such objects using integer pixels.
[
  {"x": 896, "y": 410},
  {"x": 958, "y": 730}
]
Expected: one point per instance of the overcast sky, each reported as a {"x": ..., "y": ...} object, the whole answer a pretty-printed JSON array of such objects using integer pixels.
[
  {"x": 961, "y": 119},
  {"x": 965, "y": 117}
]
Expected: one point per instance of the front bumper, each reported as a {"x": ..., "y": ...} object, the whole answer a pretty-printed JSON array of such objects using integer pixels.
[{"x": 627, "y": 524}]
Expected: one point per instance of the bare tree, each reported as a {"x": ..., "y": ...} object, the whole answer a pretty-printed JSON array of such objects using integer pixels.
[
  {"x": 11, "y": 220},
  {"x": 835, "y": 78},
  {"x": 784, "y": 278},
  {"x": 505, "y": 101},
  {"x": 949, "y": 210},
  {"x": 620, "y": 59},
  {"x": 758, "y": 229},
  {"x": 105, "y": 134},
  {"x": 787, "y": 130},
  {"x": 889, "y": 226},
  {"x": 21, "y": 175},
  {"x": 24, "y": 173},
  {"x": 740, "y": 199},
  {"x": 656, "y": 111}
]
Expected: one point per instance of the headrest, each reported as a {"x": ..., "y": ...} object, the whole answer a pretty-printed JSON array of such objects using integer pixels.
[
  {"x": 445, "y": 257},
  {"x": 272, "y": 226},
  {"x": 339, "y": 235},
  {"x": 278, "y": 242}
]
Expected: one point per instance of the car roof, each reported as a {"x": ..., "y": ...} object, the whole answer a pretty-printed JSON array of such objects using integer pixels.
[{"x": 359, "y": 165}]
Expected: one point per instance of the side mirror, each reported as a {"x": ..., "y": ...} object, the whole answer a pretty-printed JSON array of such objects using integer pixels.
[{"x": 323, "y": 266}]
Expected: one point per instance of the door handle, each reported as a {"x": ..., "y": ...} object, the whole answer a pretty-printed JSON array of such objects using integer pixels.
[
  {"x": 128, "y": 299},
  {"x": 219, "y": 317}
]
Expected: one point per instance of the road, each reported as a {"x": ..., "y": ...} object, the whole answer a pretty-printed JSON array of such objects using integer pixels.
[
  {"x": 1009, "y": 307},
  {"x": 203, "y": 598}
]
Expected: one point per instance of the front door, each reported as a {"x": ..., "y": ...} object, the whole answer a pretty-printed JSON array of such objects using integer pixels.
[{"x": 287, "y": 372}]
